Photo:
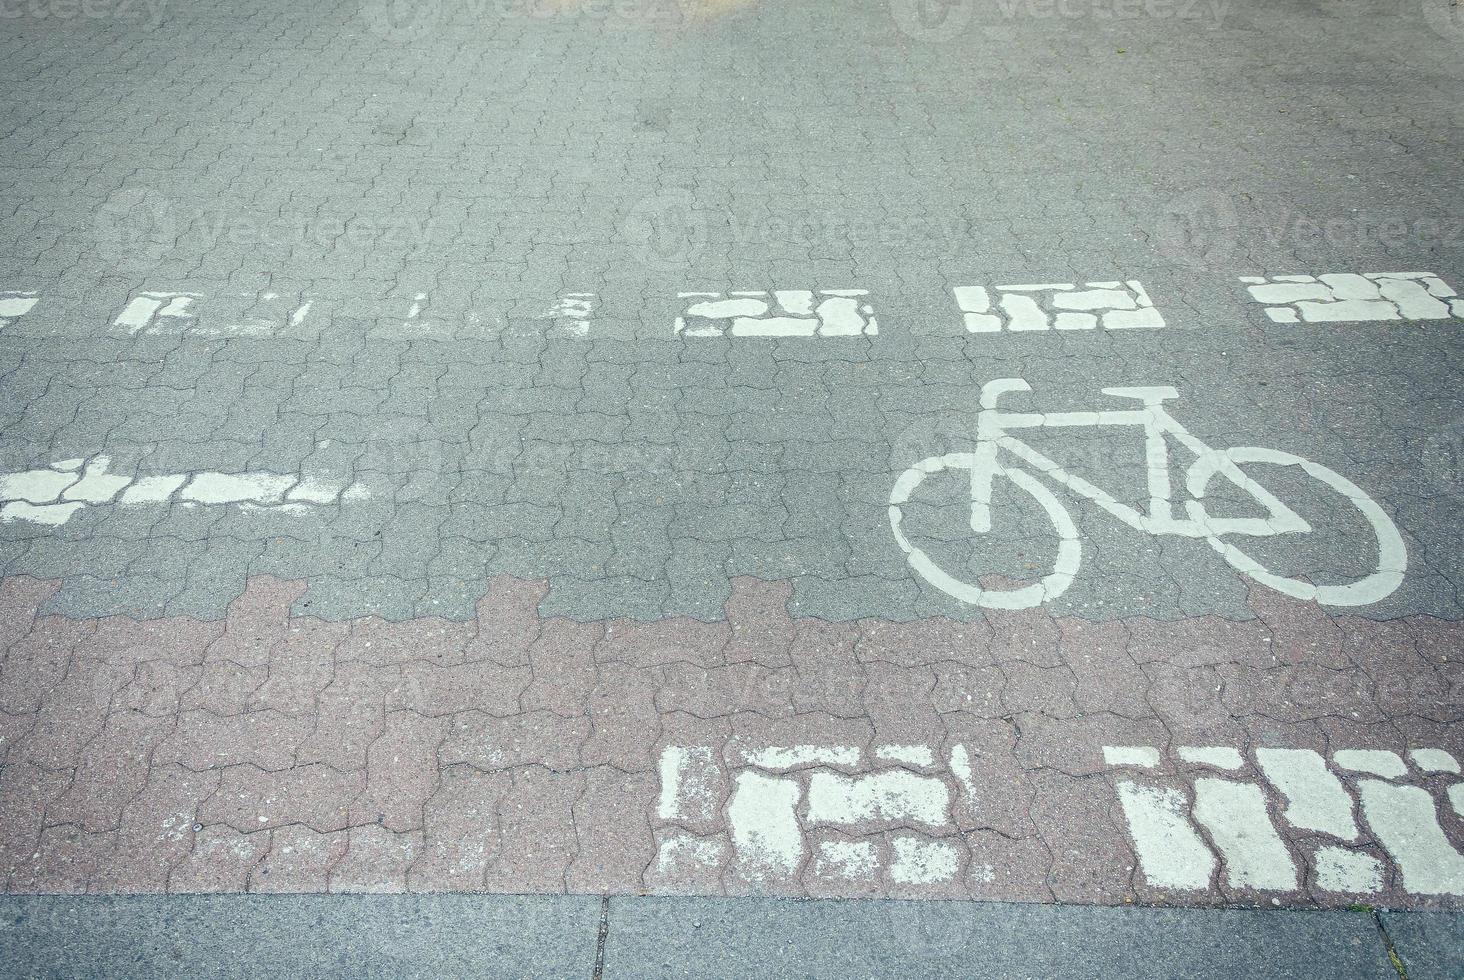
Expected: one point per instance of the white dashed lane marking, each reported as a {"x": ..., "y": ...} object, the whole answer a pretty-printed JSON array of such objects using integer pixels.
[
  {"x": 781, "y": 801},
  {"x": 1112, "y": 305},
  {"x": 895, "y": 814},
  {"x": 53, "y": 494},
  {"x": 1235, "y": 816},
  {"x": 1168, "y": 847},
  {"x": 146, "y": 309},
  {"x": 1402, "y": 818},
  {"x": 1316, "y": 798},
  {"x": 1350, "y": 297},
  {"x": 777, "y": 313},
  {"x": 572, "y": 313}
]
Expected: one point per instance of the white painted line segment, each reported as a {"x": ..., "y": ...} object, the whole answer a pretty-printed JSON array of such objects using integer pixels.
[
  {"x": 682, "y": 773},
  {"x": 1214, "y": 756},
  {"x": 913, "y": 755},
  {"x": 765, "y": 831},
  {"x": 1143, "y": 756},
  {"x": 571, "y": 314},
  {"x": 1235, "y": 816},
  {"x": 777, "y": 313},
  {"x": 146, "y": 308},
  {"x": 1351, "y": 297},
  {"x": 1112, "y": 305},
  {"x": 1404, "y": 821},
  {"x": 1385, "y": 764},
  {"x": 768, "y": 842},
  {"x": 51, "y": 496},
  {"x": 15, "y": 304},
  {"x": 894, "y": 795},
  {"x": 1434, "y": 760},
  {"x": 783, "y": 757},
  {"x": 1171, "y": 854},
  {"x": 918, "y": 861},
  {"x": 1348, "y": 872},
  {"x": 1316, "y": 798}
]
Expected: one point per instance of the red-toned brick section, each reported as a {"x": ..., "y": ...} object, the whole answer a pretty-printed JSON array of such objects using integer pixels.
[{"x": 278, "y": 753}]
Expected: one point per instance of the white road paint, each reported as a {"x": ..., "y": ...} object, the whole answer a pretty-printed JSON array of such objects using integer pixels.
[
  {"x": 234, "y": 488},
  {"x": 910, "y": 755},
  {"x": 53, "y": 495},
  {"x": 96, "y": 485},
  {"x": 1000, "y": 453},
  {"x": 271, "y": 314},
  {"x": 414, "y": 311},
  {"x": 765, "y": 830},
  {"x": 234, "y": 314},
  {"x": 1214, "y": 756},
  {"x": 1014, "y": 307},
  {"x": 37, "y": 486},
  {"x": 313, "y": 491},
  {"x": 778, "y": 812},
  {"x": 1378, "y": 763},
  {"x": 918, "y": 861},
  {"x": 690, "y": 779},
  {"x": 51, "y": 515},
  {"x": 1434, "y": 760},
  {"x": 1235, "y": 816},
  {"x": 777, "y": 313},
  {"x": 1404, "y": 821},
  {"x": 893, "y": 795},
  {"x": 1170, "y": 852},
  {"x": 779, "y": 757},
  {"x": 681, "y": 852},
  {"x": 1316, "y": 798},
  {"x": 267, "y": 314},
  {"x": 154, "y": 489},
  {"x": 144, "y": 310},
  {"x": 1348, "y": 872},
  {"x": 1112, "y": 305},
  {"x": 961, "y": 769},
  {"x": 14, "y": 305},
  {"x": 784, "y": 809},
  {"x": 1143, "y": 756},
  {"x": 852, "y": 860},
  {"x": 673, "y": 764},
  {"x": 572, "y": 314},
  {"x": 1350, "y": 297}
]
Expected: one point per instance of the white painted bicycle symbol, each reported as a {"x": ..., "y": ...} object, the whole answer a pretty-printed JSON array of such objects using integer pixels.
[{"x": 993, "y": 457}]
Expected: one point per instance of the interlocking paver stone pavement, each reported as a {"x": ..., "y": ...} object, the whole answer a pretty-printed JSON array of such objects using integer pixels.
[
  {"x": 369, "y": 526},
  {"x": 928, "y": 759}
]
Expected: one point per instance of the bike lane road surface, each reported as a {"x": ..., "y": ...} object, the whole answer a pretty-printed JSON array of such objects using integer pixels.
[{"x": 426, "y": 589}]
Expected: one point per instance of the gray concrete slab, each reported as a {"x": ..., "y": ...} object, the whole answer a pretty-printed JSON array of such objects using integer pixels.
[
  {"x": 1430, "y": 945},
  {"x": 517, "y": 936},
  {"x": 298, "y": 936},
  {"x": 683, "y": 937}
]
